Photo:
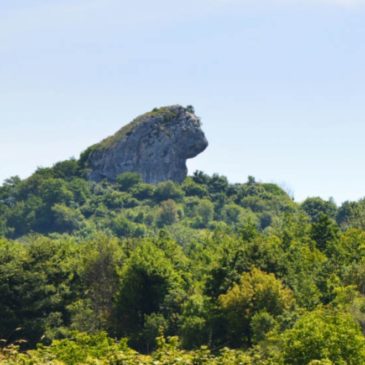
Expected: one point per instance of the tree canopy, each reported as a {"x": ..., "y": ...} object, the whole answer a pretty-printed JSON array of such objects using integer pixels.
[{"x": 204, "y": 271}]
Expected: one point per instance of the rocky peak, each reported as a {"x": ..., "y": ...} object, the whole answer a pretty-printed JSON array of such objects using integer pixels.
[{"x": 156, "y": 145}]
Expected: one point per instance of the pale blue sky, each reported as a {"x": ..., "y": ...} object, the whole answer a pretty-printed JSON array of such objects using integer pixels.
[{"x": 280, "y": 85}]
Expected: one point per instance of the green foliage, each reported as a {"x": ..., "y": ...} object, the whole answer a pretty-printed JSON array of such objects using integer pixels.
[
  {"x": 168, "y": 213},
  {"x": 128, "y": 180},
  {"x": 204, "y": 213},
  {"x": 60, "y": 200},
  {"x": 123, "y": 227},
  {"x": 194, "y": 321},
  {"x": 67, "y": 170},
  {"x": 143, "y": 191},
  {"x": 261, "y": 323},
  {"x": 324, "y": 335},
  {"x": 36, "y": 283},
  {"x": 352, "y": 214},
  {"x": 191, "y": 188},
  {"x": 99, "y": 278},
  {"x": 257, "y": 292},
  {"x": 168, "y": 190},
  {"x": 147, "y": 279},
  {"x": 217, "y": 264},
  {"x": 324, "y": 232},
  {"x": 314, "y": 207},
  {"x": 67, "y": 219},
  {"x": 165, "y": 113}
]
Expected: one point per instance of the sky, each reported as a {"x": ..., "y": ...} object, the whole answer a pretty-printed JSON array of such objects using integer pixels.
[{"x": 279, "y": 84}]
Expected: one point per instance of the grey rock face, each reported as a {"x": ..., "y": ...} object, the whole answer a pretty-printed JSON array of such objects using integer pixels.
[{"x": 156, "y": 145}]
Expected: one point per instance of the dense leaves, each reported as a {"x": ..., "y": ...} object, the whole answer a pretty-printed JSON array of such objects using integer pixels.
[{"x": 203, "y": 272}]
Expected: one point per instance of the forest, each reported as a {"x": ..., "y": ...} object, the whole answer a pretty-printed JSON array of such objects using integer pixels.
[{"x": 202, "y": 272}]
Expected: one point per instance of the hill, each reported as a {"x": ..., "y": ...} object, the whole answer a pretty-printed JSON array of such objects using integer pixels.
[{"x": 200, "y": 271}]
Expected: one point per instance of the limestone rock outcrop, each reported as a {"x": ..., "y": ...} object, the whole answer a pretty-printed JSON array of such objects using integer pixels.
[{"x": 156, "y": 145}]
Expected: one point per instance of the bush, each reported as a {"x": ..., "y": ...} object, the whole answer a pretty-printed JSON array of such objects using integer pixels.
[
  {"x": 167, "y": 214},
  {"x": 168, "y": 190},
  {"x": 128, "y": 180}
]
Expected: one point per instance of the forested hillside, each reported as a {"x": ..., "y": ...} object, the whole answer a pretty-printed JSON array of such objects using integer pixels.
[{"x": 202, "y": 272}]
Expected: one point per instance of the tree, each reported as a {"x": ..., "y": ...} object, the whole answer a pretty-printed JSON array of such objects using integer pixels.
[
  {"x": 102, "y": 258},
  {"x": 261, "y": 323},
  {"x": 324, "y": 335},
  {"x": 352, "y": 214},
  {"x": 127, "y": 180},
  {"x": 37, "y": 282},
  {"x": 143, "y": 191},
  {"x": 256, "y": 292},
  {"x": 204, "y": 212},
  {"x": 217, "y": 184},
  {"x": 168, "y": 190},
  {"x": 201, "y": 178},
  {"x": 68, "y": 169},
  {"x": 192, "y": 188},
  {"x": 167, "y": 214},
  {"x": 314, "y": 207},
  {"x": 123, "y": 227},
  {"x": 190, "y": 109},
  {"x": 67, "y": 219},
  {"x": 147, "y": 279},
  {"x": 231, "y": 213},
  {"x": 324, "y": 231}
]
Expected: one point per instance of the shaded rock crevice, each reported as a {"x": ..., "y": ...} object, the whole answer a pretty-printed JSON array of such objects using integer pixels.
[{"x": 156, "y": 145}]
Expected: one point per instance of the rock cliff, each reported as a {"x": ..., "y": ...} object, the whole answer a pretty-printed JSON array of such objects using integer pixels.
[{"x": 156, "y": 145}]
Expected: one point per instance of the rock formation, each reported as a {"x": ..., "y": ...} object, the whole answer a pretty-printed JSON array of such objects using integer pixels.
[{"x": 156, "y": 145}]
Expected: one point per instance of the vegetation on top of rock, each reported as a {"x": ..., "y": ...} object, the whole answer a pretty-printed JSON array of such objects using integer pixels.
[
  {"x": 156, "y": 145},
  {"x": 164, "y": 114}
]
